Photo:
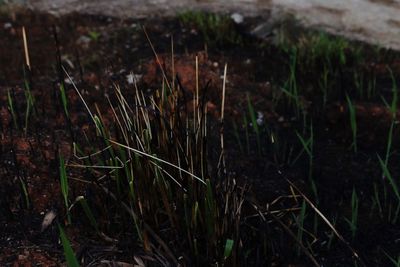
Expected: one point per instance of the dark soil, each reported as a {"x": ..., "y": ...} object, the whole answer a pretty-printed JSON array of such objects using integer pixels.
[{"x": 99, "y": 52}]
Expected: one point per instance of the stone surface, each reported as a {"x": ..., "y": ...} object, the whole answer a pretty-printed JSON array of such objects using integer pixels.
[{"x": 374, "y": 21}]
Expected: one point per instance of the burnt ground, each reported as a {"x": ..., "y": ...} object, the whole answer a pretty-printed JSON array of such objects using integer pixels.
[{"x": 100, "y": 52}]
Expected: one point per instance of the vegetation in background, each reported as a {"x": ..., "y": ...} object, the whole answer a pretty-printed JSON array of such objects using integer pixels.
[{"x": 215, "y": 29}]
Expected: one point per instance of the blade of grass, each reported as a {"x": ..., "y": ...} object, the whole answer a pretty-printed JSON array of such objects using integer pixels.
[
  {"x": 64, "y": 100},
  {"x": 387, "y": 174},
  {"x": 158, "y": 159},
  {"x": 338, "y": 235},
  {"x": 254, "y": 123},
  {"x": 228, "y": 248},
  {"x": 64, "y": 186},
  {"x": 11, "y": 108},
  {"x": 353, "y": 122},
  {"x": 88, "y": 212},
  {"x": 68, "y": 252}
]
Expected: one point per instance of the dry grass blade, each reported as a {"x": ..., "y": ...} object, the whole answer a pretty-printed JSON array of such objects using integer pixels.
[
  {"x": 87, "y": 156},
  {"x": 222, "y": 156},
  {"x": 223, "y": 93},
  {"x": 172, "y": 61},
  {"x": 80, "y": 96},
  {"x": 338, "y": 235},
  {"x": 262, "y": 215},
  {"x": 290, "y": 232},
  {"x": 145, "y": 225},
  {"x": 169, "y": 175},
  {"x": 27, "y": 60},
  {"x": 157, "y": 58},
  {"x": 158, "y": 159}
]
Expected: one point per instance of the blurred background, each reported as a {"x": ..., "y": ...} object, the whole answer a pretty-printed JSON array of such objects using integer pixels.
[{"x": 375, "y": 21}]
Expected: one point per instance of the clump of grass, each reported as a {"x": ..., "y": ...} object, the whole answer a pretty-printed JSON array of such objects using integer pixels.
[
  {"x": 153, "y": 163},
  {"x": 313, "y": 47},
  {"x": 323, "y": 46},
  {"x": 386, "y": 204},
  {"x": 94, "y": 35},
  {"x": 214, "y": 28}
]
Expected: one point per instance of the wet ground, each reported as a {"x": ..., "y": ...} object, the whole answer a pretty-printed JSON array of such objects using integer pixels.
[{"x": 100, "y": 51}]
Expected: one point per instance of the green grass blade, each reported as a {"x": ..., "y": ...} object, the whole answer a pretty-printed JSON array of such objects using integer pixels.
[
  {"x": 228, "y": 248},
  {"x": 389, "y": 177},
  {"x": 25, "y": 190},
  {"x": 353, "y": 122},
  {"x": 254, "y": 122},
  {"x": 396, "y": 263},
  {"x": 88, "y": 213},
  {"x": 64, "y": 100},
  {"x": 305, "y": 144},
  {"x": 393, "y": 106},
  {"x": 64, "y": 186},
  {"x": 68, "y": 252},
  {"x": 11, "y": 107}
]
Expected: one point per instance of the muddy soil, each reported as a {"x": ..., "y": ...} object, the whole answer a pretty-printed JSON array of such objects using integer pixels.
[{"x": 100, "y": 51}]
